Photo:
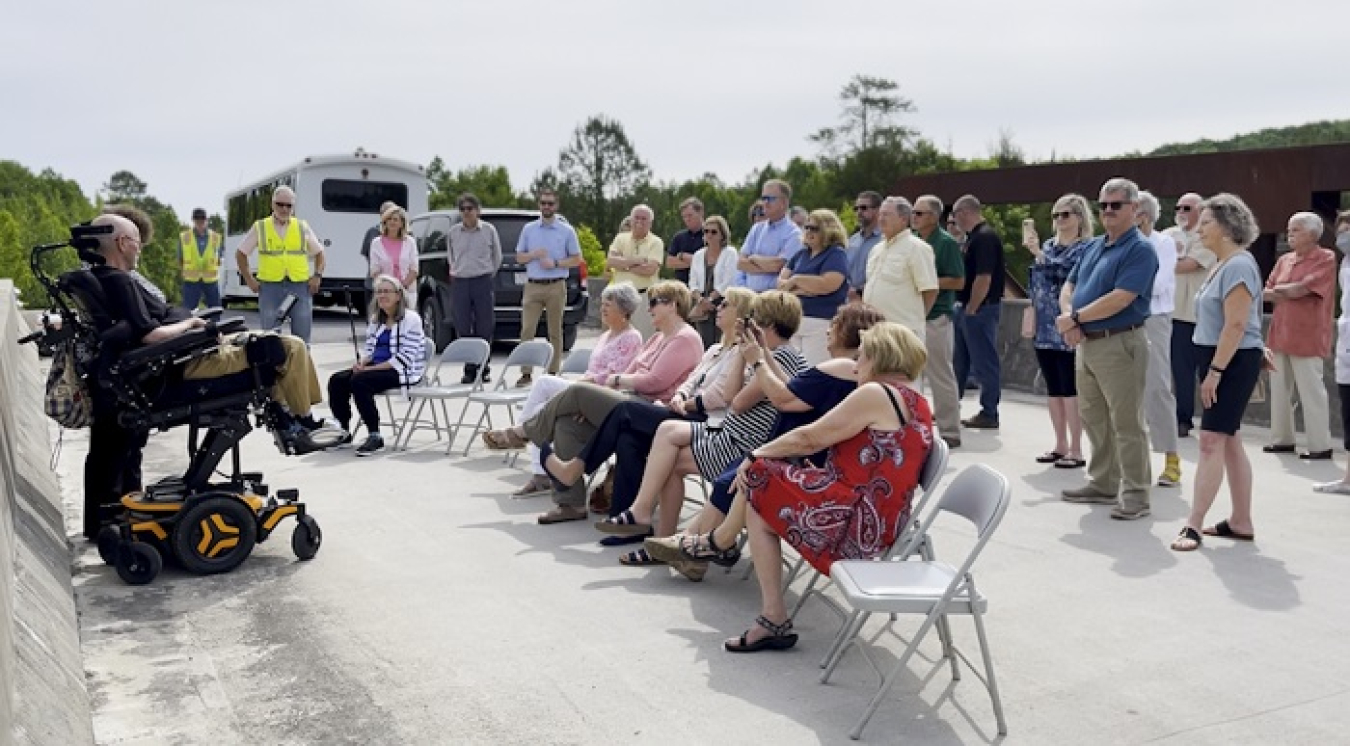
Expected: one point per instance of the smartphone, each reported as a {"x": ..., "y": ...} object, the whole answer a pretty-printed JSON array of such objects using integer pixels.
[{"x": 1029, "y": 232}]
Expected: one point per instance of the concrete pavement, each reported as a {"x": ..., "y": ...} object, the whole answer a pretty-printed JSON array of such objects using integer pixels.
[{"x": 439, "y": 612}]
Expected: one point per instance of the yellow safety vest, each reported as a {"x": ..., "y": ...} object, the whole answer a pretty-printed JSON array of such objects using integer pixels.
[
  {"x": 282, "y": 258},
  {"x": 201, "y": 266}
]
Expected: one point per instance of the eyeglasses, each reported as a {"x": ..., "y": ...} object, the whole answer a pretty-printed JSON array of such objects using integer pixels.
[
  {"x": 768, "y": 198},
  {"x": 862, "y": 208},
  {"x": 1061, "y": 215},
  {"x": 654, "y": 302},
  {"x": 1113, "y": 205},
  {"x": 547, "y": 203},
  {"x": 467, "y": 208},
  {"x": 386, "y": 291},
  {"x": 287, "y": 205},
  {"x": 809, "y": 228},
  {"x": 1184, "y": 208},
  {"x": 923, "y": 212},
  {"x": 711, "y": 232}
]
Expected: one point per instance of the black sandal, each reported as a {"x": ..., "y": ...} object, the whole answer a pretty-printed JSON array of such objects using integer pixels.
[
  {"x": 624, "y": 524},
  {"x": 640, "y": 558},
  {"x": 780, "y": 637},
  {"x": 1187, "y": 534},
  {"x": 715, "y": 554}
]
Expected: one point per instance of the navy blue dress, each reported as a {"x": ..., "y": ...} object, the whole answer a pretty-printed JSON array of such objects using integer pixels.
[{"x": 819, "y": 389}]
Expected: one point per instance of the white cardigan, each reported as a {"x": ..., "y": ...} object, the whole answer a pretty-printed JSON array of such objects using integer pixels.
[
  {"x": 724, "y": 272},
  {"x": 381, "y": 264},
  {"x": 406, "y": 345}
]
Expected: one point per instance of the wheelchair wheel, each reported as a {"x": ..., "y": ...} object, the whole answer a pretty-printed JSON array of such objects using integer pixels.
[
  {"x": 137, "y": 563},
  {"x": 306, "y": 538},
  {"x": 214, "y": 534},
  {"x": 108, "y": 539}
]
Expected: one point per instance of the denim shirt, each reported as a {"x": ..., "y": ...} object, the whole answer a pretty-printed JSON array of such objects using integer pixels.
[{"x": 1048, "y": 275}]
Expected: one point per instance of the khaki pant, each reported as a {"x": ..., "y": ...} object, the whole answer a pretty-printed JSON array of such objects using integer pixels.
[
  {"x": 537, "y": 298},
  {"x": 810, "y": 340},
  {"x": 297, "y": 384},
  {"x": 569, "y": 421},
  {"x": 1160, "y": 406},
  {"x": 940, "y": 338},
  {"x": 1110, "y": 377},
  {"x": 1303, "y": 374}
]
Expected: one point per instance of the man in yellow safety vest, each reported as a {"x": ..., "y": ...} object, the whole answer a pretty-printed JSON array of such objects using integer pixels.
[
  {"x": 285, "y": 246},
  {"x": 199, "y": 250}
]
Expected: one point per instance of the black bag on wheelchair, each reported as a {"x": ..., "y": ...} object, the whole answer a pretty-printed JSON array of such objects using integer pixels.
[{"x": 68, "y": 399}]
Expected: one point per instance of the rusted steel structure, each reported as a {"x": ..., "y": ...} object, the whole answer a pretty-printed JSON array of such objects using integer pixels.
[{"x": 1276, "y": 183}]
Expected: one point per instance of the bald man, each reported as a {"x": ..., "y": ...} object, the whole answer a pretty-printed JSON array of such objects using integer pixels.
[
  {"x": 1193, "y": 264},
  {"x": 112, "y": 467},
  {"x": 287, "y": 248}
]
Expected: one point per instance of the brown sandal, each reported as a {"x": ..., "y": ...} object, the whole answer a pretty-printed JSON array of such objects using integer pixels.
[{"x": 504, "y": 440}]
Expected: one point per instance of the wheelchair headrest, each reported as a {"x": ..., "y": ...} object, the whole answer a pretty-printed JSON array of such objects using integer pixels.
[{"x": 84, "y": 288}]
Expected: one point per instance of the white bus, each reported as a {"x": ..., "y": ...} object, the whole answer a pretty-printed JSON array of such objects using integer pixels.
[{"x": 339, "y": 196}]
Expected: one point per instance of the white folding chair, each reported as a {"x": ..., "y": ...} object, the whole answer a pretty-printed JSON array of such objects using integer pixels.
[
  {"x": 929, "y": 476},
  {"x": 466, "y": 351},
  {"x": 928, "y": 587},
  {"x": 428, "y": 356},
  {"x": 535, "y": 353}
]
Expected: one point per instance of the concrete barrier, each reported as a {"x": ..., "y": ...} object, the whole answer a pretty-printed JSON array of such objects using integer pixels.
[{"x": 43, "y": 699}]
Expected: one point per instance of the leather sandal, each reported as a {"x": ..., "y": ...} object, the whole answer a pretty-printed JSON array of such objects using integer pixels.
[
  {"x": 503, "y": 440},
  {"x": 703, "y": 548},
  {"x": 780, "y": 637}
]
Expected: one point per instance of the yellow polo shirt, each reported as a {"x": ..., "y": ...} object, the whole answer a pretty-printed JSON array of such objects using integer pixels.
[
  {"x": 899, "y": 270},
  {"x": 651, "y": 247}
]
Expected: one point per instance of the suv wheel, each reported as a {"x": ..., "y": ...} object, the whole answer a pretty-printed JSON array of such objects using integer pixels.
[
  {"x": 569, "y": 337},
  {"x": 434, "y": 327}
]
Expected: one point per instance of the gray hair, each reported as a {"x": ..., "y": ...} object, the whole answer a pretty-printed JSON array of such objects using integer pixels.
[
  {"x": 783, "y": 188},
  {"x": 692, "y": 202},
  {"x": 799, "y": 210},
  {"x": 1149, "y": 207},
  {"x": 901, "y": 206},
  {"x": 966, "y": 202},
  {"x": 1235, "y": 219},
  {"x": 1308, "y": 221},
  {"x": 1078, "y": 205},
  {"x": 377, "y": 314},
  {"x": 283, "y": 190},
  {"x": 651, "y": 214},
  {"x": 624, "y": 296},
  {"x": 930, "y": 201},
  {"x": 1122, "y": 184}
]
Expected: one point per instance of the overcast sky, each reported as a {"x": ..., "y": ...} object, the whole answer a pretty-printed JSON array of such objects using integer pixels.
[{"x": 199, "y": 97}]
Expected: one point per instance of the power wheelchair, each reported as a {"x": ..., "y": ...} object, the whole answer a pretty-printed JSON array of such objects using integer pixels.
[{"x": 205, "y": 526}]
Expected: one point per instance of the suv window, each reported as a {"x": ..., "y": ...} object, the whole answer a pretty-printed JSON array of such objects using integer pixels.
[
  {"x": 436, "y": 233},
  {"x": 509, "y": 228}
]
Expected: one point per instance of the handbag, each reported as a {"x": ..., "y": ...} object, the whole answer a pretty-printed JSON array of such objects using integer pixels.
[{"x": 67, "y": 398}]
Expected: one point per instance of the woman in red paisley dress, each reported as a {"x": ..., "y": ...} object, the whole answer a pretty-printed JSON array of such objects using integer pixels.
[{"x": 854, "y": 504}]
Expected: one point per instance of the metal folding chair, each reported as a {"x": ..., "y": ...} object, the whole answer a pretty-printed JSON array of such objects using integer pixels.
[
  {"x": 536, "y": 353},
  {"x": 933, "y": 589},
  {"x": 467, "y": 351},
  {"x": 576, "y": 363}
]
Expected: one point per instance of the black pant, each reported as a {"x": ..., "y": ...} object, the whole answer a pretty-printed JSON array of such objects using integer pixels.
[
  {"x": 345, "y": 386},
  {"x": 472, "y": 307},
  {"x": 111, "y": 469},
  {"x": 1186, "y": 372},
  {"x": 626, "y": 433}
]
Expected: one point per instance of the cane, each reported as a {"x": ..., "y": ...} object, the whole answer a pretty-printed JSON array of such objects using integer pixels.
[{"x": 351, "y": 321}]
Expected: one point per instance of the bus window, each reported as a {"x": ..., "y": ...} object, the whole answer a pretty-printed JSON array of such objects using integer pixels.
[{"x": 342, "y": 195}]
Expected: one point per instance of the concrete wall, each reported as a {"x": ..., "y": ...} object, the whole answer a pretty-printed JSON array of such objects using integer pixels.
[
  {"x": 43, "y": 699},
  {"x": 1021, "y": 373}
]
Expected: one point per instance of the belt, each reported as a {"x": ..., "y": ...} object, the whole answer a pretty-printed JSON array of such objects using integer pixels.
[
  {"x": 549, "y": 281},
  {"x": 1104, "y": 333}
]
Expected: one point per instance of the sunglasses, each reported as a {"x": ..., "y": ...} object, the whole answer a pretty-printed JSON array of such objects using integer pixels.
[
  {"x": 467, "y": 208},
  {"x": 1061, "y": 215},
  {"x": 923, "y": 212},
  {"x": 862, "y": 208},
  {"x": 809, "y": 228},
  {"x": 1184, "y": 208},
  {"x": 654, "y": 302},
  {"x": 287, "y": 205},
  {"x": 768, "y": 198},
  {"x": 543, "y": 203},
  {"x": 711, "y": 232},
  {"x": 1113, "y": 205}
]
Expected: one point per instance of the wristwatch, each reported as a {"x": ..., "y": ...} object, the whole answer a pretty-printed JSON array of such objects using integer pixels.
[
  {"x": 1074, "y": 317},
  {"x": 755, "y": 365}
]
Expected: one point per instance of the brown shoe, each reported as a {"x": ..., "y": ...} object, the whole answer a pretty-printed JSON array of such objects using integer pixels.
[
  {"x": 1088, "y": 495},
  {"x": 562, "y": 514},
  {"x": 980, "y": 422},
  {"x": 602, "y": 496},
  {"x": 690, "y": 569},
  {"x": 538, "y": 485}
]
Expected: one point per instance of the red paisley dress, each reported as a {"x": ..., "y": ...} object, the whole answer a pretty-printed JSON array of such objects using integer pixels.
[{"x": 853, "y": 506}]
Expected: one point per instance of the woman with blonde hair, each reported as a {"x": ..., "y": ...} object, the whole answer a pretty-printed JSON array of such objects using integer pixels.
[
  {"x": 394, "y": 356},
  {"x": 711, "y": 272},
  {"x": 818, "y": 276},
  {"x": 1055, "y": 259},
  {"x": 394, "y": 252}
]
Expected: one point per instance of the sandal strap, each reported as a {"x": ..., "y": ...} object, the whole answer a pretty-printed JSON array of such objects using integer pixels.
[
  {"x": 777, "y": 630},
  {"x": 639, "y": 555},
  {"x": 625, "y": 518}
]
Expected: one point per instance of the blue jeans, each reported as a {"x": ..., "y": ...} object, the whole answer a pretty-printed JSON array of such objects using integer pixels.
[
  {"x": 977, "y": 354},
  {"x": 196, "y": 292},
  {"x": 270, "y": 296}
]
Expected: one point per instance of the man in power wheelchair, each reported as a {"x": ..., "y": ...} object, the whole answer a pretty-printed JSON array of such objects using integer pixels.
[{"x": 152, "y": 366}]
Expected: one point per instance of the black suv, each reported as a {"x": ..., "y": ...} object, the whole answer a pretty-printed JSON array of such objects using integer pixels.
[{"x": 434, "y": 286}]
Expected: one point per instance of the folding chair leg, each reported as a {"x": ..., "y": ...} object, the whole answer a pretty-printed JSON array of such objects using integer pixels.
[
  {"x": 806, "y": 593},
  {"x": 900, "y": 665},
  {"x": 793, "y": 570},
  {"x": 453, "y": 430},
  {"x": 990, "y": 683},
  {"x": 944, "y": 630},
  {"x": 410, "y": 422},
  {"x": 845, "y": 636},
  {"x": 477, "y": 426}
]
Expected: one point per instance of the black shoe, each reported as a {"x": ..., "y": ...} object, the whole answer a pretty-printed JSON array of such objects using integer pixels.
[
  {"x": 1183, "y": 430},
  {"x": 373, "y": 443},
  {"x": 470, "y": 374},
  {"x": 1279, "y": 448},
  {"x": 487, "y": 373},
  {"x": 980, "y": 422},
  {"x": 1316, "y": 455},
  {"x": 309, "y": 423}
]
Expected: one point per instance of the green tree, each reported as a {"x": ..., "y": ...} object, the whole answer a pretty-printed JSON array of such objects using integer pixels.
[
  {"x": 36, "y": 209},
  {"x": 160, "y": 261},
  {"x": 591, "y": 251},
  {"x": 869, "y": 109},
  {"x": 600, "y": 169},
  {"x": 491, "y": 184}
]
